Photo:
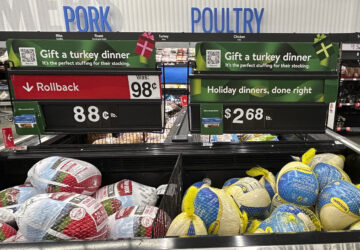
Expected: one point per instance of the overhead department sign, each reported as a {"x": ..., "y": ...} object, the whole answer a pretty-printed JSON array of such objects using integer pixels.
[{"x": 237, "y": 16}]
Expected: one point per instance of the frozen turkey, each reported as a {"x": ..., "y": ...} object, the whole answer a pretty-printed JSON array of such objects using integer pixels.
[
  {"x": 12, "y": 198},
  {"x": 62, "y": 216},
  {"x": 61, "y": 174},
  {"x": 125, "y": 193},
  {"x": 138, "y": 221}
]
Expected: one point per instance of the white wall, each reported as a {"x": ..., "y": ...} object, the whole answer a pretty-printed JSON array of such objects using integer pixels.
[{"x": 301, "y": 16}]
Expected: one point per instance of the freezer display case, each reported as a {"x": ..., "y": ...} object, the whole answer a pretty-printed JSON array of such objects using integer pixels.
[{"x": 179, "y": 166}]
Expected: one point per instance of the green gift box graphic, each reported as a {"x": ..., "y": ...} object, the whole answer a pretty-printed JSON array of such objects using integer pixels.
[{"x": 323, "y": 47}]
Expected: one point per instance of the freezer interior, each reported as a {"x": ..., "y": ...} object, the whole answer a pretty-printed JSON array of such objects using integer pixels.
[{"x": 180, "y": 166}]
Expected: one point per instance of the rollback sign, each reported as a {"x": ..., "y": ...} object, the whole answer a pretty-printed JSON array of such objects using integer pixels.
[{"x": 85, "y": 85}]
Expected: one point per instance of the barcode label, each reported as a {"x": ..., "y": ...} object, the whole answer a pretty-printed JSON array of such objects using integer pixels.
[
  {"x": 213, "y": 58},
  {"x": 27, "y": 56}
]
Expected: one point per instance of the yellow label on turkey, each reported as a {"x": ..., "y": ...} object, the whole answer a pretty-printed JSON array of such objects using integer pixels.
[
  {"x": 256, "y": 171},
  {"x": 244, "y": 217},
  {"x": 214, "y": 227},
  {"x": 308, "y": 156},
  {"x": 303, "y": 170},
  {"x": 291, "y": 218},
  {"x": 340, "y": 204},
  {"x": 268, "y": 230}
]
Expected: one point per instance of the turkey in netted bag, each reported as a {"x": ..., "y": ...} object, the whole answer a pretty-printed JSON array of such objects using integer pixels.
[
  {"x": 12, "y": 198},
  {"x": 282, "y": 222},
  {"x": 267, "y": 180},
  {"x": 306, "y": 215},
  {"x": 297, "y": 183},
  {"x": 188, "y": 223},
  {"x": 328, "y": 158},
  {"x": 195, "y": 188},
  {"x": 326, "y": 174},
  {"x": 249, "y": 196},
  {"x": 61, "y": 174},
  {"x": 219, "y": 212},
  {"x": 125, "y": 193},
  {"x": 62, "y": 216},
  {"x": 338, "y": 205},
  {"x": 138, "y": 221}
]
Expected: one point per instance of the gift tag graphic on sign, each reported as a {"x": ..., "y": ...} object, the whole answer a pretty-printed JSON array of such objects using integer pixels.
[{"x": 144, "y": 87}]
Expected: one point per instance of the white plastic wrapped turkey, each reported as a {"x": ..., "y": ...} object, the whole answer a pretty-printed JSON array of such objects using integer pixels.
[
  {"x": 61, "y": 174},
  {"x": 12, "y": 198},
  {"x": 138, "y": 222},
  {"x": 125, "y": 193},
  {"x": 62, "y": 216}
]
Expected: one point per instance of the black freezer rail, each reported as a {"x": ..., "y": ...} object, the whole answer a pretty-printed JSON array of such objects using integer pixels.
[
  {"x": 90, "y": 151},
  {"x": 322, "y": 240}
]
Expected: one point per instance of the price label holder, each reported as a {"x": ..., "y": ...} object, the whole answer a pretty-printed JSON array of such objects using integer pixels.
[
  {"x": 267, "y": 117},
  {"x": 350, "y": 51},
  {"x": 87, "y": 100},
  {"x": 264, "y": 87},
  {"x": 78, "y": 116}
]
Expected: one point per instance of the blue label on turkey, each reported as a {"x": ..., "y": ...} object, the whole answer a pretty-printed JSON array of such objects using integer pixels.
[
  {"x": 298, "y": 184},
  {"x": 282, "y": 222},
  {"x": 327, "y": 174}
]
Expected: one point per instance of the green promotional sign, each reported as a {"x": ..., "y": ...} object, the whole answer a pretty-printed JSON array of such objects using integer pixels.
[
  {"x": 40, "y": 115},
  {"x": 211, "y": 116},
  {"x": 81, "y": 53},
  {"x": 320, "y": 55},
  {"x": 259, "y": 90},
  {"x": 264, "y": 87}
]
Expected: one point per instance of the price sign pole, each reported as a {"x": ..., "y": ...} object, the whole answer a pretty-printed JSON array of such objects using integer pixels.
[
  {"x": 263, "y": 87},
  {"x": 58, "y": 86}
]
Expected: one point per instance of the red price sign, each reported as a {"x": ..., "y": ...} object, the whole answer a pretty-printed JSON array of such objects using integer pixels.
[
  {"x": 37, "y": 87},
  {"x": 8, "y": 137},
  {"x": 184, "y": 100}
]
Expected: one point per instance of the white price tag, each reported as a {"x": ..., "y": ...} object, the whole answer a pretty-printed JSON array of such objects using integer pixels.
[
  {"x": 144, "y": 87},
  {"x": 350, "y": 46}
]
